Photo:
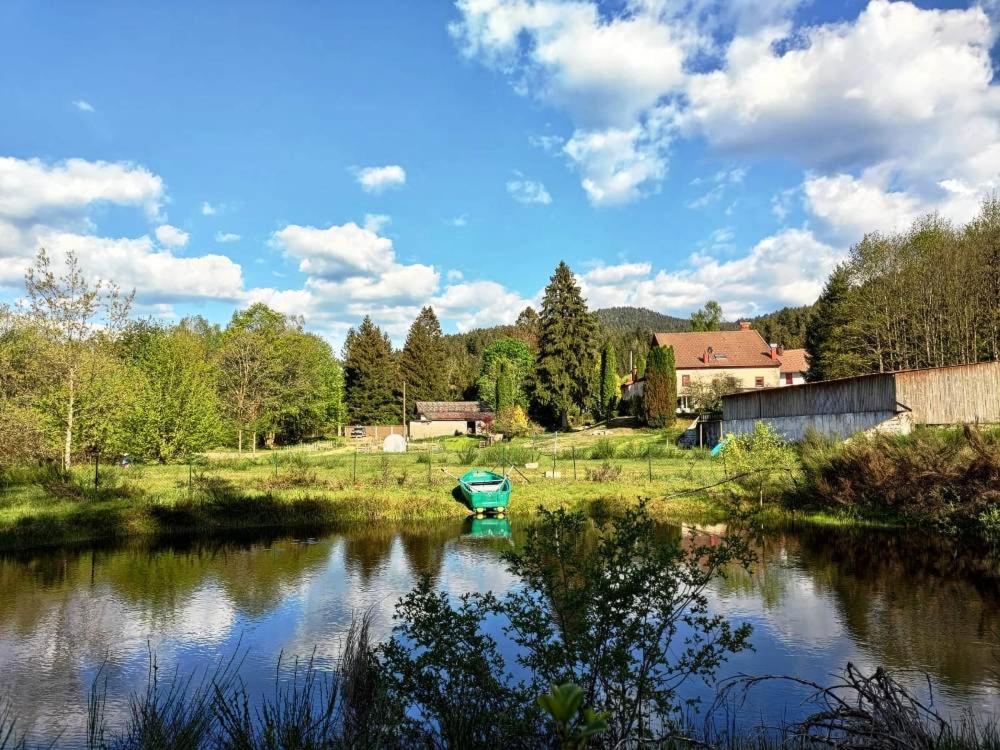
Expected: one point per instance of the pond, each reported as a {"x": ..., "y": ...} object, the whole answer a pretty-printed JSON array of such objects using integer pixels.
[{"x": 817, "y": 599}]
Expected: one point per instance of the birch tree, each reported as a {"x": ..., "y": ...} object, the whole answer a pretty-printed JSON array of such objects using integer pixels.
[{"x": 76, "y": 316}]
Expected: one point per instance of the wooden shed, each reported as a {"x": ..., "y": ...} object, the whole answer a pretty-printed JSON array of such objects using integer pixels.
[{"x": 892, "y": 401}]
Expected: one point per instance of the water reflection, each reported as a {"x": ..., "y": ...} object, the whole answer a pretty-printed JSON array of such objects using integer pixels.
[{"x": 817, "y": 598}]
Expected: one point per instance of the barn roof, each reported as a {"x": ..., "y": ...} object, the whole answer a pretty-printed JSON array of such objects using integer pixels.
[
  {"x": 743, "y": 348},
  {"x": 453, "y": 410}
]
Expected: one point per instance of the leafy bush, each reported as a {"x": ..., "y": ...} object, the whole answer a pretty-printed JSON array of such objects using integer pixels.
[
  {"x": 759, "y": 462},
  {"x": 512, "y": 421}
]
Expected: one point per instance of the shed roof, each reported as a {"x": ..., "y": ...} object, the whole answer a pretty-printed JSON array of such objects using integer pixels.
[
  {"x": 453, "y": 410},
  {"x": 744, "y": 348}
]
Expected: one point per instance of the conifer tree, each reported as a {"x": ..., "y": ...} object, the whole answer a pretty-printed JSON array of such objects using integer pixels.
[
  {"x": 370, "y": 376},
  {"x": 831, "y": 354},
  {"x": 516, "y": 357},
  {"x": 565, "y": 346},
  {"x": 659, "y": 398},
  {"x": 526, "y": 326},
  {"x": 609, "y": 390},
  {"x": 423, "y": 360}
]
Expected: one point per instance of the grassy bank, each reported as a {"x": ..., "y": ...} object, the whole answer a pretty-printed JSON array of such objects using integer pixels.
[{"x": 326, "y": 484}]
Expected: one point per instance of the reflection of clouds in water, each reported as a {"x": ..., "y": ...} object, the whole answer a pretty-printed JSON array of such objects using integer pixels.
[
  {"x": 805, "y": 616},
  {"x": 811, "y": 613}
]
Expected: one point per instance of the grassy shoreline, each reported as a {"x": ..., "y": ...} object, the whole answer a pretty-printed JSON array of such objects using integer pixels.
[{"x": 323, "y": 486}]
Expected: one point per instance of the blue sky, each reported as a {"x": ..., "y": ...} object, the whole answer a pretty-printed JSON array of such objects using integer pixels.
[{"x": 337, "y": 159}]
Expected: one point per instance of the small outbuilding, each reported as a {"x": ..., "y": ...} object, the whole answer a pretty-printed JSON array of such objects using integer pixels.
[{"x": 446, "y": 418}]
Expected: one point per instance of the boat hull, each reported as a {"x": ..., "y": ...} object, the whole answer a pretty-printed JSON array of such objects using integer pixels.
[{"x": 485, "y": 490}]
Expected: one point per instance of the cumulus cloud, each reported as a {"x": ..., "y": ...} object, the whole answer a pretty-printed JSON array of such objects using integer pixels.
[
  {"x": 899, "y": 103},
  {"x": 472, "y": 304},
  {"x": 207, "y": 209},
  {"x": 338, "y": 251},
  {"x": 528, "y": 191},
  {"x": 171, "y": 236},
  {"x": 31, "y": 188},
  {"x": 49, "y": 205},
  {"x": 788, "y": 268},
  {"x": 83, "y": 105},
  {"x": 224, "y": 237},
  {"x": 379, "y": 179}
]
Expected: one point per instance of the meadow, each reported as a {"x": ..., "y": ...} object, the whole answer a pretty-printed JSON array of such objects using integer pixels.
[{"x": 322, "y": 483}]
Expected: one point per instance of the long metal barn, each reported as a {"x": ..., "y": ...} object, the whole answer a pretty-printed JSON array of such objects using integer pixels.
[{"x": 890, "y": 402}]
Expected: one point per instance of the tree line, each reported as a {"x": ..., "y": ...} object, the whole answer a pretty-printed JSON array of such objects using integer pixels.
[
  {"x": 928, "y": 296},
  {"x": 81, "y": 377}
]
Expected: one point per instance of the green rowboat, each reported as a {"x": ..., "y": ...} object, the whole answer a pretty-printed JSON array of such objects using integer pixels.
[{"x": 485, "y": 490}]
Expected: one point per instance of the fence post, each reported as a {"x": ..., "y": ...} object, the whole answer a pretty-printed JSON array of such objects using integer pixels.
[
  {"x": 355, "y": 474},
  {"x": 574, "y": 463}
]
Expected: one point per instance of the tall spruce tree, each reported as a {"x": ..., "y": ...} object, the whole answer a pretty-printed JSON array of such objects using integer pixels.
[
  {"x": 370, "y": 376},
  {"x": 565, "y": 347},
  {"x": 609, "y": 392},
  {"x": 829, "y": 334},
  {"x": 659, "y": 398},
  {"x": 423, "y": 362}
]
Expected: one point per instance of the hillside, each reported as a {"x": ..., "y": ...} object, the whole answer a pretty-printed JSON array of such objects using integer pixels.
[{"x": 632, "y": 318}]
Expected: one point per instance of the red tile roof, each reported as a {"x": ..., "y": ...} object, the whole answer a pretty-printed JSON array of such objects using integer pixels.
[
  {"x": 745, "y": 348},
  {"x": 794, "y": 360}
]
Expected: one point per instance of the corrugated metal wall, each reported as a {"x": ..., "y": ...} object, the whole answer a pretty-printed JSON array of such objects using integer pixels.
[{"x": 952, "y": 395}]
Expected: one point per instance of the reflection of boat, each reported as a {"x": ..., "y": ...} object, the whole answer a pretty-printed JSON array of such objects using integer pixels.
[
  {"x": 485, "y": 490},
  {"x": 492, "y": 527}
]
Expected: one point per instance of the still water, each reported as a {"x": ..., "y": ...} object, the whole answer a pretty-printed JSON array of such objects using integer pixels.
[{"x": 816, "y": 599}]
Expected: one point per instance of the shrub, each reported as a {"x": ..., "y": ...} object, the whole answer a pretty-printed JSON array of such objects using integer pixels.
[
  {"x": 759, "y": 462},
  {"x": 603, "y": 449},
  {"x": 948, "y": 478},
  {"x": 512, "y": 421},
  {"x": 606, "y": 472},
  {"x": 466, "y": 455}
]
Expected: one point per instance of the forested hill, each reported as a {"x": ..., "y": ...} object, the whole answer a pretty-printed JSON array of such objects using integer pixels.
[{"x": 632, "y": 318}]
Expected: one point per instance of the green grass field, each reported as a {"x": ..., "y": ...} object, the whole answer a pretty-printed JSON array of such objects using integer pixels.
[{"x": 325, "y": 483}]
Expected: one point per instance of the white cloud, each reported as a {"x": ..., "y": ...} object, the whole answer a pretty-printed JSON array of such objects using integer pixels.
[
  {"x": 337, "y": 252},
  {"x": 379, "y": 179},
  {"x": 473, "y": 304},
  {"x": 226, "y": 237},
  {"x": 31, "y": 188},
  {"x": 156, "y": 275},
  {"x": 458, "y": 221},
  {"x": 528, "y": 191},
  {"x": 207, "y": 209},
  {"x": 547, "y": 142},
  {"x": 901, "y": 100},
  {"x": 454, "y": 275},
  {"x": 49, "y": 205},
  {"x": 376, "y": 222},
  {"x": 788, "y": 268},
  {"x": 83, "y": 105},
  {"x": 171, "y": 236}
]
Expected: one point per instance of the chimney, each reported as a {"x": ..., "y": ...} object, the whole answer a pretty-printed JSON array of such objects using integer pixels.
[
  {"x": 774, "y": 352},
  {"x": 707, "y": 356},
  {"x": 781, "y": 350},
  {"x": 744, "y": 325},
  {"x": 635, "y": 374}
]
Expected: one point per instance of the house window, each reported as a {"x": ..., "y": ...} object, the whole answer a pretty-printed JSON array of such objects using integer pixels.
[
  {"x": 685, "y": 380},
  {"x": 788, "y": 378},
  {"x": 758, "y": 382}
]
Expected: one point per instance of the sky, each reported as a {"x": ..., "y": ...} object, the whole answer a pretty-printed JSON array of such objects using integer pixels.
[{"x": 341, "y": 159}]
